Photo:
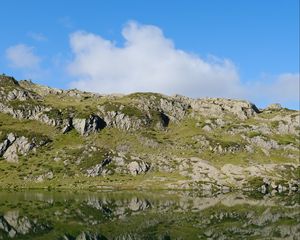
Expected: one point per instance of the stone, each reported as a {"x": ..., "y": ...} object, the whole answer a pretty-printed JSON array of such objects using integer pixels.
[
  {"x": 98, "y": 169},
  {"x": 136, "y": 167},
  {"x": 88, "y": 125},
  {"x": 46, "y": 176},
  {"x": 90, "y": 236},
  {"x": 274, "y": 106},
  {"x": 20, "y": 146}
]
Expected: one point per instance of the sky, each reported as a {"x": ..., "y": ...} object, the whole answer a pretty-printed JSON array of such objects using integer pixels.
[{"x": 199, "y": 48}]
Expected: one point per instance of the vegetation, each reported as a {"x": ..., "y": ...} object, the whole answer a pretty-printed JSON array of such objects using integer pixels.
[{"x": 228, "y": 140}]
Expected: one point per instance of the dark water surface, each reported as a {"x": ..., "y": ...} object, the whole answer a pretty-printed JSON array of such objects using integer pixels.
[{"x": 147, "y": 215}]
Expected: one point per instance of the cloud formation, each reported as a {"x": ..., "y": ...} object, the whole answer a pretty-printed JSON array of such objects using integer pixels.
[
  {"x": 148, "y": 61},
  {"x": 282, "y": 89},
  {"x": 22, "y": 56}
]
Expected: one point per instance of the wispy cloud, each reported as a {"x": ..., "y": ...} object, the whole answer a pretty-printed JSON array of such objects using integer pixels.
[
  {"x": 283, "y": 88},
  {"x": 66, "y": 22},
  {"x": 23, "y": 57},
  {"x": 37, "y": 36}
]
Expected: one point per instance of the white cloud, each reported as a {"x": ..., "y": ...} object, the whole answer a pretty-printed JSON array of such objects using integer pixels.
[
  {"x": 282, "y": 89},
  {"x": 22, "y": 56},
  {"x": 148, "y": 61}
]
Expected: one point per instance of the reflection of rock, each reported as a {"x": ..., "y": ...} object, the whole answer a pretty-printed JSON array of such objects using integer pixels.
[
  {"x": 22, "y": 225},
  {"x": 117, "y": 208},
  {"x": 138, "y": 205},
  {"x": 13, "y": 224},
  {"x": 215, "y": 217},
  {"x": 90, "y": 236}
]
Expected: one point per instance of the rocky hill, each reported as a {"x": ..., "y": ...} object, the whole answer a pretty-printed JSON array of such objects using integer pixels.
[{"x": 73, "y": 139}]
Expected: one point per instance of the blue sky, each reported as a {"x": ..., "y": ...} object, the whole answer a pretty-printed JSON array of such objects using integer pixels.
[{"x": 238, "y": 49}]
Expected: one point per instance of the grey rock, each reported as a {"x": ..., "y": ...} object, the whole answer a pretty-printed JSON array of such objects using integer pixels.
[
  {"x": 67, "y": 125},
  {"x": 46, "y": 176},
  {"x": 3, "y": 146},
  {"x": 216, "y": 107},
  {"x": 90, "y": 236},
  {"x": 98, "y": 169},
  {"x": 11, "y": 137},
  {"x": 88, "y": 125},
  {"x": 21, "y": 146},
  {"x": 138, "y": 167},
  {"x": 122, "y": 121},
  {"x": 264, "y": 143},
  {"x": 274, "y": 106},
  {"x": 21, "y": 225}
]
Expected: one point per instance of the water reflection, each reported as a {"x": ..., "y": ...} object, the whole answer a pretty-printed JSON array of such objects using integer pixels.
[{"x": 151, "y": 215}]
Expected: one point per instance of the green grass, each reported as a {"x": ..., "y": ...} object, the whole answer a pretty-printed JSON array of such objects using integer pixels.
[{"x": 177, "y": 139}]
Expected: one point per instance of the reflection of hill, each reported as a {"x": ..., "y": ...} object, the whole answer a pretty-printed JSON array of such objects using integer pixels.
[{"x": 122, "y": 215}]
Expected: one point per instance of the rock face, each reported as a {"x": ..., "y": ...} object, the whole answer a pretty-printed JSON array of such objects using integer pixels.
[
  {"x": 13, "y": 147},
  {"x": 20, "y": 146},
  {"x": 89, "y": 125},
  {"x": 208, "y": 143},
  {"x": 120, "y": 120},
  {"x": 217, "y": 107}
]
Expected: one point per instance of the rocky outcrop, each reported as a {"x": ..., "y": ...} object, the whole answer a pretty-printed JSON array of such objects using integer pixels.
[
  {"x": 287, "y": 124},
  {"x": 88, "y": 125},
  {"x": 138, "y": 167},
  {"x": 173, "y": 108},
  {"x": 235, "y": 176},
  {"x": 217, "y": 107},
  {"x": 123, "y": 121},
  {"x": 21, "y": 146},
  {"x": 195, "y": 138},
  {"x": 118, "y": 164},
  {"x": 273, "y": 106},
  {"x": 6, "y": 143},
  {"x": 13, "y": 147},
  {"x": 99, "y": 169},
  {"x": 39, "y": 89}
]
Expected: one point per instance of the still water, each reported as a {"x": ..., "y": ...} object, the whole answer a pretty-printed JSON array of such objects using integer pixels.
[{"x": 147, "y": 215}]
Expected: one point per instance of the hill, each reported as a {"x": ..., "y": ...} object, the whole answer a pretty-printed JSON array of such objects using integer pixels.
[{"x": 52, "y": 138}]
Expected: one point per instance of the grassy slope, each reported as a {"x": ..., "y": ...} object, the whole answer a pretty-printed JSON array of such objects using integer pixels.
[{"x": 178, "y": 140}]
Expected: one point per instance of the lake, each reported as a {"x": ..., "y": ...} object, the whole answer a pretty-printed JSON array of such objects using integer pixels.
[{"x": 126, "y": 215}]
